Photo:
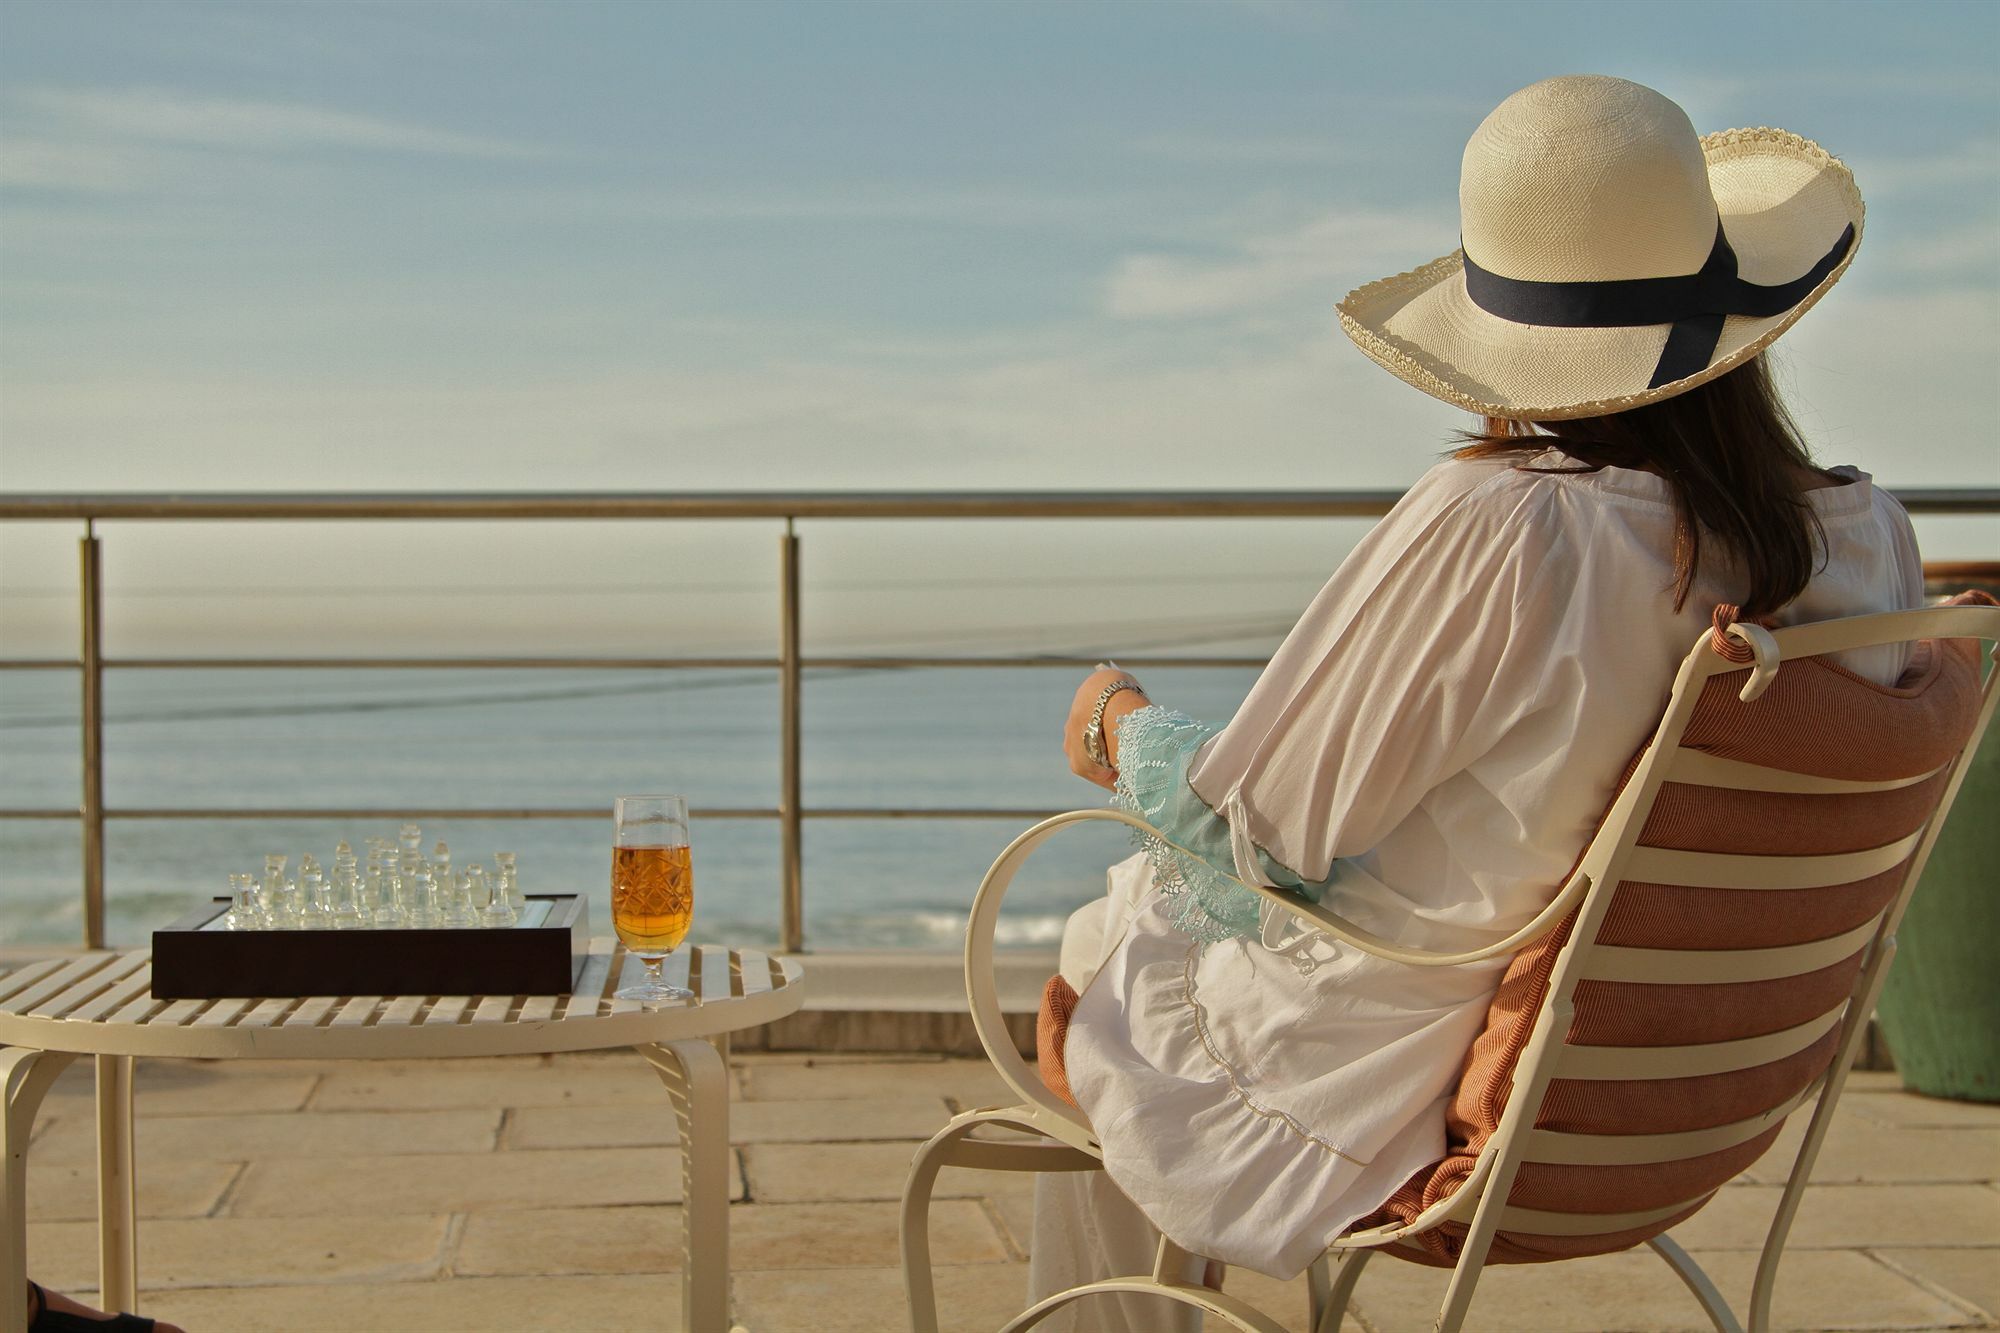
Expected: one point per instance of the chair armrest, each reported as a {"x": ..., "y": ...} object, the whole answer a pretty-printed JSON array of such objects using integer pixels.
[
  {"x": 1058, "y": 1118},
  {"x": 1315, "y": 917},
  {"x": 1050, "y": 1113}
]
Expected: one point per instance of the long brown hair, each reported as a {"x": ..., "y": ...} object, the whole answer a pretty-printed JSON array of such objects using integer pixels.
[{"x": 1732, "y": 456}]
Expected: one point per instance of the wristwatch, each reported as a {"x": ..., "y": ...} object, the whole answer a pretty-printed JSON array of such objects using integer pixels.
[{"x": 1093, "y": 731}]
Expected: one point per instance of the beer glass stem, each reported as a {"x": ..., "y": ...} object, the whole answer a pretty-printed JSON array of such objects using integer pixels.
[{"x": 653, "y": 963}]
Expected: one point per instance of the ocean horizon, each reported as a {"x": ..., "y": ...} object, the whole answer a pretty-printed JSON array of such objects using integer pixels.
[{"x": 233, "y": 739}]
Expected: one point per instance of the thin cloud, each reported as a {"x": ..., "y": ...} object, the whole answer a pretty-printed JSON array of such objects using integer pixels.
[
  {"x": 1969, "y": 253},
  {"x": 1252, "y": 150},
  {"x": 986, "y": 205},
  {"x": 1754, "y": 94},
  {"x": 55, "y": 164},
  {"x": 1332, "y": 250},
  {"x": 163, "y": 116},
  {"x": 1972, "y": 161}
]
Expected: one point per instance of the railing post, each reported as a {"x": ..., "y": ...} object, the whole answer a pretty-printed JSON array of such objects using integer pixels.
[
  {"x": 793, "y": 926},
  {"x": 90, "y": 580}
]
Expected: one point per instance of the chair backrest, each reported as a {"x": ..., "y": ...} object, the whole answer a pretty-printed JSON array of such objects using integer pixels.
[{"x": 1745, "y": 889}]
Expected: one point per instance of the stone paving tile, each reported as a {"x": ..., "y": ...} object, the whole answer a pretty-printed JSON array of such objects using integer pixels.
[
  {"x": 1282, "y": 1301},
  {"x": 620, "y": 1056},
  {"x": 761, "y": 1236},
  {"x": 1973, "y": 1276},
  {"x": 749, "y": 1122},
  {"x": 1913, "y": 1110},
  {"x": 752, "y": 1059},
  {"x": 364, "y": 1087},
  {"x": 1630, "y": 1291},
  {"x": 470, "y": 1064},
  {"x": 1636, "y": 1292},
  {"x": 234, "y": 1251},
  {"x": 870, "y": 1300},
  {"x": 1848, "y": 1217},
  {"x": 1861, "y": 1150},
  {"x": 840, "y": 1119},
  {"x": 1018, "y": 1185},
  {"x": 1395, "y": 1296},
  {"x": 67, "y": 1191},
  {"x": 470, "y": 1305},
  {"x": 968, "y": 1082},
  {"x": 188, "y": 1087},
  {"x": 811, "y": 1173},
  {"x": 816, "y": 1251},
  {"x": 1017, "y": 1215},
  {"x": 236, "y": 1138},
  {"x": 459, "y": 1182}
]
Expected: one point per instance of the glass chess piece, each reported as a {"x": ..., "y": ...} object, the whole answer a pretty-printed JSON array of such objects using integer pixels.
[
  {"x": 510, "y": 884},
  {"x": 441, "y": 859},
  {"x": 456, "y": 893},
  {"x": 421, "y": 905},
  {"x": 495, "y": 912},
  {"x": 315, "y": 896},
  {"x": 243, "y": 913},
  {"x": 291, "y": 907},
  {"x": 385, "y": 891},
  {"x": 349, "y": 912},
  {"x": 279, "y": 895},
  {"x": 371, "y": 881},
  {"x": 345, "y": 897},
  {"x": 412, "y": 839},
  {"x": 271, "y": 893}
]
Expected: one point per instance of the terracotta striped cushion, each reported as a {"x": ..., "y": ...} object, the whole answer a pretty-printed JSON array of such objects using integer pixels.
[
  {"x": 1816, "y": 718},
  {"x": 1051, "y": 1029}
]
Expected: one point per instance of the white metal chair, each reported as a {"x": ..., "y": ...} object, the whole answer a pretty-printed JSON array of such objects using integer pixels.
[{"x": 1483, "y": 1208}]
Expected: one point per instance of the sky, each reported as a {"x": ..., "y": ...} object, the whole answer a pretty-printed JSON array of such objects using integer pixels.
[{"x": 822, "y": 245}]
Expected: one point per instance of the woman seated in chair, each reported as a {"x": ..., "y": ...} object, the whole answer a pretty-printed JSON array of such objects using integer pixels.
[{"x": 1447, "y": 722}]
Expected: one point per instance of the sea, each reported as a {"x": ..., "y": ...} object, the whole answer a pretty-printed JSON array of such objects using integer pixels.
[{"x": 240, "y": 739}]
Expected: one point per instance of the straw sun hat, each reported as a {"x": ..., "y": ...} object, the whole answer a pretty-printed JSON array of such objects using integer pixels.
[{"x": 1610, "y": 258}]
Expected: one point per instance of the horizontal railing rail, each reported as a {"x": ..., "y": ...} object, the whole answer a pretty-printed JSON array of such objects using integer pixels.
[
  {"x": 711, "y": 505},
  {"x": 793, "y": 505},
  {"x": 790, "y": 662}
]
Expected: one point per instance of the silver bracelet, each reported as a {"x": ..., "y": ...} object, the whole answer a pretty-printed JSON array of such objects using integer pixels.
[{"x": 1093, "y": 731}]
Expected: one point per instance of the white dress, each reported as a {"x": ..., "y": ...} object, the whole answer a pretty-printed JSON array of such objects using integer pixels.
[{"x": 1450, "y": 715}]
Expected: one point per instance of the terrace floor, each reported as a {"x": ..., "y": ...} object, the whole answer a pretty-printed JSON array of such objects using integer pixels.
[{"x": 539, "y": 1193}]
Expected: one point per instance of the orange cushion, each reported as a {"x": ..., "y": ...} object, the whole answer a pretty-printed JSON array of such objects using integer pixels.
[
  {"x": 1051, "y": 1028},
  {"x": 1815, "y": 718}
]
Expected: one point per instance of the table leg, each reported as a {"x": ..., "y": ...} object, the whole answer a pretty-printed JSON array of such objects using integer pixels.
[
  {"x": 25, "y": 1076},
  {"x": 697, "y": 1082},
  {"x": 117, "y": 1209}
]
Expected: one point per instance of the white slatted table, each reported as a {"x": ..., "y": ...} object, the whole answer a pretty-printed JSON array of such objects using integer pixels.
[{"x": 102, "y": 1005}]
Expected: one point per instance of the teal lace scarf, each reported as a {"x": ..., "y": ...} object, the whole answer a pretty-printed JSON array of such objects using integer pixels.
[{"x": 1193, "y": 864}]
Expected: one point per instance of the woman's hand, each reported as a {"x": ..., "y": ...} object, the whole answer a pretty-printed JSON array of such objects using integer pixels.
[{"x": 1080, "y": 708}]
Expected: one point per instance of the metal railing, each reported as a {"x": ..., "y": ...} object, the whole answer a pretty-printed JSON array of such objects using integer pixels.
[{"x": 790, "y": 663}]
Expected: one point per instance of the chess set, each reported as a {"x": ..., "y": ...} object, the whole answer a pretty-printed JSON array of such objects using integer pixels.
[
  {"x": 401, "y": 889},
  {"x": 401, "y": 923}
]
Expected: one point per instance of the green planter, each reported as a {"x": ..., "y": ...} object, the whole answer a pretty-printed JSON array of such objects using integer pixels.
[{"x": 1941, "y": 1007}]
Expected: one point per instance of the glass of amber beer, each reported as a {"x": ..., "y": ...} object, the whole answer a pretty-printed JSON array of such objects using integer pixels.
[{"x": 652, "y": 887}]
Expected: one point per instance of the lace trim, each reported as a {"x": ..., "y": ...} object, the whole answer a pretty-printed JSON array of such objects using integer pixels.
[{"x": 1154, "y": 748}]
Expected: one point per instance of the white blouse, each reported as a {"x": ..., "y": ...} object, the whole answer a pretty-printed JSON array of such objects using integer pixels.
[{"x": 1450, "y": 715}]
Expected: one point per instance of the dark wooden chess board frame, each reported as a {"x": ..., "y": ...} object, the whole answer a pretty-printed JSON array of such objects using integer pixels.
[{"x": 190, "y": 963}]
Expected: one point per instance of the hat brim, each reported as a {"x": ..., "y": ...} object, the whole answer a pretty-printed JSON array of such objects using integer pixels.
[{"x": 1783, "y": 202}]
